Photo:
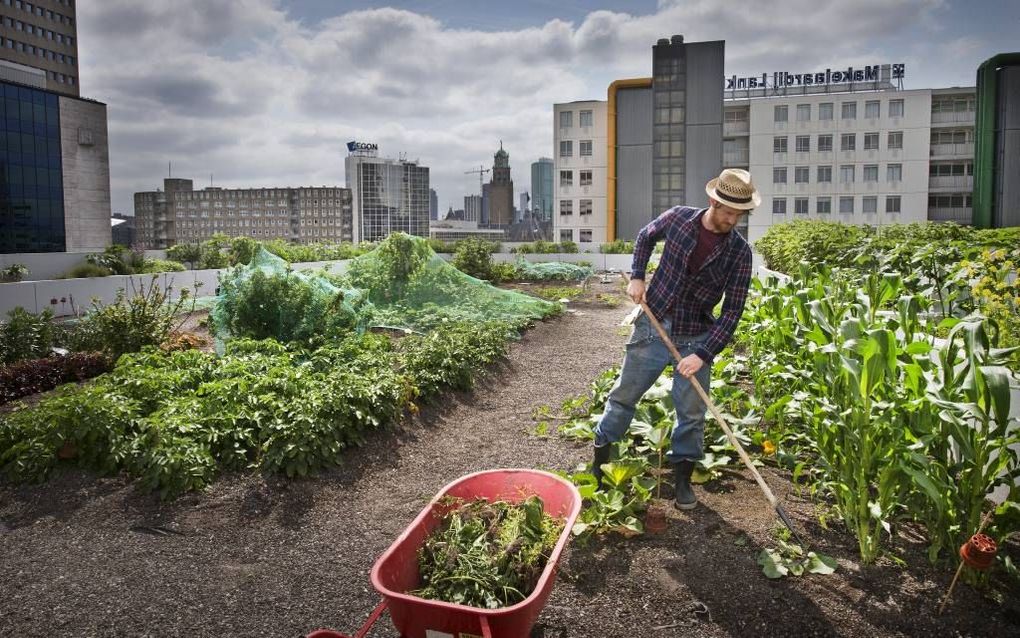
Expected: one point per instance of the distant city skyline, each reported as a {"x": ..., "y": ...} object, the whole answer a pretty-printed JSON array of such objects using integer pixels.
[{"x": 268, "y": 92}]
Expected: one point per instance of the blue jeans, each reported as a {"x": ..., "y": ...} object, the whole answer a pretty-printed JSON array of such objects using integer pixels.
[{"x": 645, "y": 360}]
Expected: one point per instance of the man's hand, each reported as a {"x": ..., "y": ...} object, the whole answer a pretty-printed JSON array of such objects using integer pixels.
[
  {"x": 689, "y": 365},
  {"x": 636, "y": 290}
]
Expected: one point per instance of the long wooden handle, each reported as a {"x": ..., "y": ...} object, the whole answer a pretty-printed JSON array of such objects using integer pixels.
[{"x": 711, "y": 407}]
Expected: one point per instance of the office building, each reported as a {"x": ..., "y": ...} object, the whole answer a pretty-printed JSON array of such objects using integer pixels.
[
  {"x": 524, "y": 210},
  {"x": 387, "y": 195},
  {"x": 122, "y": 230},
  {"x": 39, "y": 44},
  {"x": 473, "y": 208},
  {"x": 500, "y": 192},
  {"x": 55, "y": 188},
  {"x": 178, "y": 214},
  {"x": 433, "y": 204},
  {"x": 542, "y": 188},
  {"x": 579, "y": 171}
]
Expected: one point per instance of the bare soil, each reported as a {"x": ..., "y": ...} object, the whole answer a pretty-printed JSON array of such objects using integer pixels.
[{"x": 268, "y": 556}]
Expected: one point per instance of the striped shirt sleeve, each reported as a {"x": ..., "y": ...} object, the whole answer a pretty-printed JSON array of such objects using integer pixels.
[{"x": 645, "y": 242}]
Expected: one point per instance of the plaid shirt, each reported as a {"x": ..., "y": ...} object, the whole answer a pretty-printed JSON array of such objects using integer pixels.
[{"x": 691, "y": 298}]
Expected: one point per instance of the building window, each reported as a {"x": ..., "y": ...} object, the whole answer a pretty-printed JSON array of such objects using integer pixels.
[
  {"x": 895, "y": 139},
  {"x": 824, "y": 174},
  {"x": 566, "y": 148},
  {"x": 566, "y": 207},
  {"x": 586, "y": 235},
  {"x": 871, "y": 172},
  {"x": 846, "y": 174},
  {"x": 779, "y": 144},
  {"x": 585, "y": 178},
  {"x": 779, "y": 206},
  {"x": 803, "y": 112},
  {"x": 584, "y": 148},
  {"x": 585, "y": 119},
  {"x": 896, "y": 110},
  {"x": 803, "y": 143},
  {"x": 846, "y": 204},
  {"x": 800, "y": 205},
  {"x": 892, "y": 204},
  {"x": 894, "y": 173},
  {"x": 566, "y": 119},
  {"x": 584, "y": 207},
  {"x": 848, "y": 142},
  {"x": 779, "y": 175},
  {"x": 824, "y": 205},
  {"x": 872, "y": 109},
  {"x": 871, "y": 141},
  {"x": 566, "y": 234},
  {"x": 824, "y": 143},
  {"x": 825, "y": 111},
  {"x": 566, "y": 178},
  {"x": 869, "y": 204},
  {"x": 780, "y": 113},
  {"x": 849, "y": 111},
  {"x": 801, "y": 175}
]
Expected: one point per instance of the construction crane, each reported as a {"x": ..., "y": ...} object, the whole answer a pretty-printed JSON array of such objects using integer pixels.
[{"x": 481, "y": 170}]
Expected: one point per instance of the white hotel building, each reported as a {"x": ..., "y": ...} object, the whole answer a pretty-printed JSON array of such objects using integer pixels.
[
  {"x": 878, "y": 157},
  {"x": 579, "y": 172}
]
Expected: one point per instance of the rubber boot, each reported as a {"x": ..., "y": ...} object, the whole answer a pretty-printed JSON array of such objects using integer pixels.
[
  {"x": 685, "y": 498},
  {"x": 601, "y": 457}
]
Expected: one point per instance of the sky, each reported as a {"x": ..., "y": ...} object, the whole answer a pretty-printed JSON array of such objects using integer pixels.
[{"x": 252, "y": 93}]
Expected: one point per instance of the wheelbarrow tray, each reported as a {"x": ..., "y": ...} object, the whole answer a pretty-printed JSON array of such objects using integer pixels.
[{"x": 396, "y": 572}]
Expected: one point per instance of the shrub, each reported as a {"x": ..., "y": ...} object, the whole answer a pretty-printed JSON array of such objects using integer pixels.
[
  {"x": 817, "y": 242},
  {"x": 146, "y": 318},
  {"x": 284, "y": 305},
  {"x": 504, "y": 271},
  {"x": 26, "y": 335},
  {"x": 190, "y": 254},
  {"x": 617, "y": 247},
  {"x": 161, "y": 265},
  {"x": 450, "y": 357},
  {"x": 472, "y": 258},
  {"x": 39, "y": 375},
  {"x": 13, "y": 273},
  {"x": 82, "y": 271}
]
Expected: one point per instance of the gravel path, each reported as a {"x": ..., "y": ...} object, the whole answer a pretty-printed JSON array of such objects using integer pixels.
[{"x": 82, "y": 556}]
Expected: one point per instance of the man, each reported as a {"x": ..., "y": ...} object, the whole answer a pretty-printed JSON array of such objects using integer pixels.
[{"x": 703, "y": 260}]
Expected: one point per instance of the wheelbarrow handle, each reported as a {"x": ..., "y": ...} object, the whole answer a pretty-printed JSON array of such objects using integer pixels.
[
  {"x": 361, "y": 633},
  {"x": 373, "y": 617}
]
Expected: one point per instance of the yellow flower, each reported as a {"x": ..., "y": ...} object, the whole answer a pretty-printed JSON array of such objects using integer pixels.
[{"x": 770, "y": 448}]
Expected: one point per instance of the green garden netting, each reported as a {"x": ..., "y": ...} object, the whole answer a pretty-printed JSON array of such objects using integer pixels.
[
  {"x": 267, "y": 299},
  {"x": 552, "y": 271},
  {"x": 410, "y": 286},
  {"x": 402, "y": 284}
]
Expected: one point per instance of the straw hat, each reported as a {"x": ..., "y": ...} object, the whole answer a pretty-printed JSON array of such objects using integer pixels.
[{"x": 735, "y": 189}]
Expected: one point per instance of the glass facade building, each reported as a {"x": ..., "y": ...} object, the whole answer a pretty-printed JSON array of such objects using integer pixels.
[
  {"x": 388, "y": 196},
  {"x": 31, "y": 177},
  {"x": 542, "y": 188}
]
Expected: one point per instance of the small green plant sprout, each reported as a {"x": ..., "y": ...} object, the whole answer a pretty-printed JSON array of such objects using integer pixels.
[
  {"x": 541, "y": 429},
  {"x": 790, "y": 559}
]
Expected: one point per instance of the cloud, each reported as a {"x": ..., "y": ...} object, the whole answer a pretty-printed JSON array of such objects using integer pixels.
[{"x": 260, "y": 96}]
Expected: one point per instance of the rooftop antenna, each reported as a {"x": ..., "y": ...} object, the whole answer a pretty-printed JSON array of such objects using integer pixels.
[{"x": 170, "y": 169}]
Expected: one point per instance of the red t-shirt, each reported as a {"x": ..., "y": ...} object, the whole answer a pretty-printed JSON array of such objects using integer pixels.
[{"x": 707, "y": 241}]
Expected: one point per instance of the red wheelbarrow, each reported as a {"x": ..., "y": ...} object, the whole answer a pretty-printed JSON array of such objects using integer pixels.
[{"x": 396, "y": 572}]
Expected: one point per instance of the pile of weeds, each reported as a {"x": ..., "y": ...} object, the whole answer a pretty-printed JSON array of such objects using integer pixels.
[{"x": 487, "y": 555}]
